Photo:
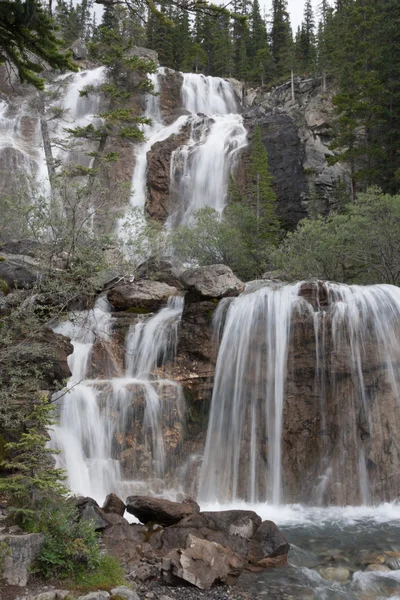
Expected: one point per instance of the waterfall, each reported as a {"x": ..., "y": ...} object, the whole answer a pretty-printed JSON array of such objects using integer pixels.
[
  {"x": 200, "y": 169},
  {"x": 111, "y": 431},
  {"x": 265, "y": 368}
]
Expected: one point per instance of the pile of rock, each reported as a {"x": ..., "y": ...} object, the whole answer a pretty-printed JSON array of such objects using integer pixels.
[{"x": 201, "y": 548}]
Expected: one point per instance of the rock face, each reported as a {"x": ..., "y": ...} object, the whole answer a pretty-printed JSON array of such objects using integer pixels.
[
  {"x": 159, "y": 203},
  {"x": 202, "y": 563},
  {"x": 297, "y": 136},
  {"x": 18, "y": 554},
  {"x": 143, "y": 294},
  {"x": 18, "y": 271},
  {"x": 215, "y": 281},
  {"x": 162, "y": 512}
]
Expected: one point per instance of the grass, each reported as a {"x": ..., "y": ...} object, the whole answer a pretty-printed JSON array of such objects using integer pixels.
[{"x": 107, "y": 575}]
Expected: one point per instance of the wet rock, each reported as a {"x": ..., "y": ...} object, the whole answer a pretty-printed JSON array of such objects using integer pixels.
[
  {"x": 379, "y": 568},
  {"x": 340, "y": 574},
  {"x": 160, "y": 511},
  {"x": 142, "y": 295},
  {"x": 166, "y": 269},
  {"x": 268, "y": 542},
  {"x": 298, "y": 557},
  {"x": 214, "y": 281},
  {"x": 114, "y": 504},
  {"x": 202, "y": 563},
  {"x": 243, "y": 523},
  {"x": 124, "y": 591},
  {"x": 19, "y": 553}
]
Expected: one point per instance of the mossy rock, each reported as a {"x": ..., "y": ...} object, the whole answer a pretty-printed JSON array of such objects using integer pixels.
[{"x": 3, "y": 286}]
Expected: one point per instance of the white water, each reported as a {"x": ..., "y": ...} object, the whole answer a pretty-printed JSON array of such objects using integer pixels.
[
  {"x": 100, "y": 418},
  {"x": 199, "y": 171}
]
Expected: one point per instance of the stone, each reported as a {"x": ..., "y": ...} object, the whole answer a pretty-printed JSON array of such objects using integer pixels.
[
  {"x": 144, "y": 572},
  {"x": 18, "y": 271},
  {"x": 114, "y": 504},
  {"x": 100, "y": 595},
  {"x": 89, "y": 510},
  {"x": 243, "y": 523},
  {"x": 18, "y": 554},
  {"x": 142, "y": 295},
  {"x": 268, "y": 542},
  {"x": 124, "y": 591},
  {"x": 203, "y": 563},
  {"x": 340, "y": 574},
  {"x": 160, "y": 511},
  {"x": 380, "y": 568},
  {"x": 79, "y": 50},
  {"x": 214, "y": 281},
  {"x": 166, "y": 269},
  {"x": 50, "y": 595},
  {"x": 298, "y": 557}
]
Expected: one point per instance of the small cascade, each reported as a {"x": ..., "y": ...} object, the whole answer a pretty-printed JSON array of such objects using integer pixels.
[
  {"x": 20, "y": 141},
  {"x": 200, "y": 169},
  {"x": 77, "y": 111},
  {"x": 112, "y": 433},
  {"x": 270, "y": 374}
]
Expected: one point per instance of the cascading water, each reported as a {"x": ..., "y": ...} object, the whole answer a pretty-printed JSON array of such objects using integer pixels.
[
  {"x": 111, "y": 430},
  {"x": 349, "y": 378},
  {"x": 200, "y": 169}
]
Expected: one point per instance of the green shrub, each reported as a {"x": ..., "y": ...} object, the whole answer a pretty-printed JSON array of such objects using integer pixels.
[{"x": 71, "y": 546}]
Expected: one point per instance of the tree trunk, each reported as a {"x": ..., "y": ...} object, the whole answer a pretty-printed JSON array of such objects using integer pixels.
[{"x": 292, "y": 84}]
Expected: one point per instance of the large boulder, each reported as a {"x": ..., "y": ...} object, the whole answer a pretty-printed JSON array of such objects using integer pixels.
[
  {"x": 167, "y": 269},
  {"x": 160, "y": 511},
  {"x": 202, "y": 563},
  {"x": 18, "y": 271},
  {"x": 214, "y": 281},
  {"x": 268, "y": 543},
  {"x": 142, "y": 295},
  {"x": 243, "y": 523},
  {"x": 114, "y": 505},
  {"x": 18, "y": 553}
]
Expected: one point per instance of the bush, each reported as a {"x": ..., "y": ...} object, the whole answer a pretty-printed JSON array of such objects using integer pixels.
[
  {"x": 71, "y": 546},
  {"x": 359, "y": 246},
  {"x": 232, "y": 238}
]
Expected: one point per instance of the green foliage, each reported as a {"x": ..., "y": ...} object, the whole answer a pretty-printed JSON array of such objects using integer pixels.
[
  {"x": 108, "y": 574},
  {"x": 358, "y": 246},
  {"x": 70, "y": 546},
  {"x": 28, "y": 40},
  {"x": 33, "y": 477},
  {"x": 259, "y": 191},
  {"x": 231, "y": 238}
]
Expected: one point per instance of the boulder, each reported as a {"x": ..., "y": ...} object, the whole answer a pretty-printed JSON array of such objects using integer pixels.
[
  {"x": 268, "y": 542},
  {"x": 160, "y": 511},
  {"x": 142, "y": 295},
  {"x": 89, "y": 510},
  {"x": 214, "y": 281},
  {"x": 202, "y": 563},
  {"x": 243, "y": 523},
  {"x": 167, "y": 270},
  {"x": 18, "y": 271},
  {"x": 124, "y": 592},
  {"x": 18, "y": 553},
  {"x": 99, "y": 595},
  {"x": 114, "y": 504},
  {"x": 79, "y": 50}
]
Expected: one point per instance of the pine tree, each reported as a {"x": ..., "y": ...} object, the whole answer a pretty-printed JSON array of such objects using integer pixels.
[
  {"x": 29, "y": 460},
  {"x": 259, "y": 190},
  {"x": 306, "y": 40},
  {"x": 281, "y": 39},
  {"x": 27, "y": 33},
  {"x": 258, "y": 49}
]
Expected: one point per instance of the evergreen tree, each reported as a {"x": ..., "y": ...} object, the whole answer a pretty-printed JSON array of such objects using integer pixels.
[
  {"x": 27, "y": 33},
  {"x": 258, "y": 49},
  {"x": 281, "y": 39},
  {"x": 306, "y": 40},
  {"x": 259, "y": 190},
  {"x": 222, "y": 48}
]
